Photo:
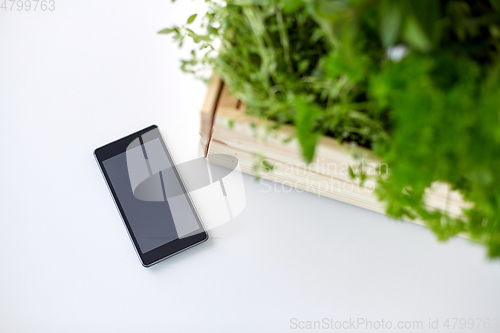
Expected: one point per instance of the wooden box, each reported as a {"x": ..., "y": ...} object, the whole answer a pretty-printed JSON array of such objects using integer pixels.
[{"x": 327, "y": 175}]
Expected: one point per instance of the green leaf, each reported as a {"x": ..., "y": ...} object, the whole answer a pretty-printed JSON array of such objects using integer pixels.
[
  {"x": 290, "y": 6},
  {"x": 305, "y": 124},
  {"x": 390, "y": 23},
  {"x": 495, "y": 4},
  {"x": 167, "y": 31},
  {"x": 426, "y": 14},
  {"x": 267, "y": 166},
  {"x": 303, "y": 65},
  {"x": 415, "y": 36},
  {"x": 351, "y": 172},
  {"x": 191, "y": 18}
]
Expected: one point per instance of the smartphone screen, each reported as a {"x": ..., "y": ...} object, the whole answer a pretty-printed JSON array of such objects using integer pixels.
[{"x": 150, "y": 195}]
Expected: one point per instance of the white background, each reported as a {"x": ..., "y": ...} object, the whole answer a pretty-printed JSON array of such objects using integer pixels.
[{"x": 93, "y": 71}]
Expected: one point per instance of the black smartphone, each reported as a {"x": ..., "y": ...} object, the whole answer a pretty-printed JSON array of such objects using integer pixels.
[{"x": 140, "y": 172}]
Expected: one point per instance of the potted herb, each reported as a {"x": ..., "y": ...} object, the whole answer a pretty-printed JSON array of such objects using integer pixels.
[{"x": 416, "y": 82}]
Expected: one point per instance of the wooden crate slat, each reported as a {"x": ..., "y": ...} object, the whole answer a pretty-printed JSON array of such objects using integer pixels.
[
  {"x": 329, "y": 166},
  {"x": 207, "y": 113}
]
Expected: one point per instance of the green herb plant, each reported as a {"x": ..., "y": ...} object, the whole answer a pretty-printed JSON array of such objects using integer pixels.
[{"x": 415, "y": 81}]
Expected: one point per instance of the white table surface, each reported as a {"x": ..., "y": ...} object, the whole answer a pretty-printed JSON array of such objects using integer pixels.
[{"x": 93, "y": 71}]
